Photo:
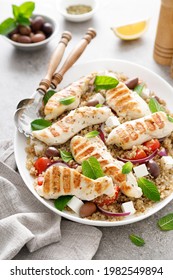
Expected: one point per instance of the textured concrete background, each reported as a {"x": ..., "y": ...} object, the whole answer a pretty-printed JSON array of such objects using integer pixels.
[{"x": 22, "y": 71}]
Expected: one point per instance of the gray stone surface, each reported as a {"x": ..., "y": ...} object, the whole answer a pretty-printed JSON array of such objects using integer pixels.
[{"x": 20, "y": 73}]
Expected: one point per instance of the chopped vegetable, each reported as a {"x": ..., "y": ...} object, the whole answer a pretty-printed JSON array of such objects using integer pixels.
[
  {"x": 155, "y": 106},
  {"x": 139, "y": 88},
  {"x": 107, "y": 200},
  {"x": 41, "y": 164},
  {"x": 141, "y": 160},
  {"x": 109, "y": 213},
  {"x": 152, "y": 145}
]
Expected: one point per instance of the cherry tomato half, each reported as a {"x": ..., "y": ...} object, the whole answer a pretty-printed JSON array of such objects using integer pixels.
[
  {"x": 41, "y": 164},
  {"x": 139, "y": 154},
  {"x": 152, "y": 145}
]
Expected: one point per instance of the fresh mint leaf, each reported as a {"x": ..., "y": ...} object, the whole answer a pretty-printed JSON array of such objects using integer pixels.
[
  {"x": 62, "y": 201},
  {"x": 48, "y": 95},
  {"x": 91, "y": 168},
  {"x": 149, "y": 189},
  {"x": 166, "y": 222},
  {"x": 26, "y": 9},
  {"x": 16, "y": 11},
  {"x": 127, "y": 167},
  {"x": 92, "y": 134},
  {"x": 170, "y": 118},
  {"x": 139, "y": 88},
  {"x": 7, "y": 26},
  {"x": 66, "y": 156},
  {"x": 23, "y": 21},
  {"x": 155, "y": 106},
  {"x": 138, "y": 241},
  {"x": 99, "y": 105},
  {"x": 105, "y": 82},
  {"x": 39, "y": 124},
  {"x": 67, "y": 100}
]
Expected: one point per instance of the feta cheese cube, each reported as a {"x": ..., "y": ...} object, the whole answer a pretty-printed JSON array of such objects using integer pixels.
[
  {"x": 145, "y": 93},
  {"x": 167, "y": 162},
  {"x": 98, "y": 96},
  {"x": 128, "y": 207},
  {"x": 75, "y": 204},
  {"x": 141, "y": 170},
  {"x": 112, "y": 121}
]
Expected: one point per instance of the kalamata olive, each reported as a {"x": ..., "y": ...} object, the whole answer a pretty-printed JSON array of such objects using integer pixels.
[
  {"x": 52, "y": 152},
  {"x": 24, "y": 39},
  {"x": 36, "y": 23},
  {"x": 153, "y": 168},
  {"x": 131, "y": 83},
  {"x": 24, "y": 30},
  {"x": 92, "y": 102},
  {"x": 38, "y": 38},
  {"x": 47, "y": 28},
  {"x": 15, "y": 37},
  {"x": 87, "y": 209}
]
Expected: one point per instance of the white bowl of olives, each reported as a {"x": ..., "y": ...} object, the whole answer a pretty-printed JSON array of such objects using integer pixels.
[
  {"x": 34, "y": 36},
  {"x": 77, "y": 10}
]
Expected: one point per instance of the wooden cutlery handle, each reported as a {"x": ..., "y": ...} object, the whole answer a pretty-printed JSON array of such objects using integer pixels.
[
  {"x": 55, "y": 61},
  {"x": 73, "y": 57}
]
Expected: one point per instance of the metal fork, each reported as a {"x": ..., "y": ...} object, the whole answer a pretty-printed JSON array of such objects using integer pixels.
[{"x": 28, "y": 109}]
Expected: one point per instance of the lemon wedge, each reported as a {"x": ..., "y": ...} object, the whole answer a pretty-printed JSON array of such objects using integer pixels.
[{"x": 131, "y": 31}]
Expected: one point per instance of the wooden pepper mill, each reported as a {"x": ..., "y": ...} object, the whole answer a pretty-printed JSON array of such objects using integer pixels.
[{"x": 163, "y": 48}]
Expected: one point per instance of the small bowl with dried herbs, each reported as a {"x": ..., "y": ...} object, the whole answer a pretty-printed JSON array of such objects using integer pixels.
[
  {"x": 25, "y": 30},
  {"x": 77, "y": 10}
]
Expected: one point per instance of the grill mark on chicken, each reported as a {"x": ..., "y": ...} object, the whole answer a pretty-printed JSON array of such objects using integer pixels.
[
  {"x": 76, "y": 180},
  {"x": 56, "y": 180},
  {"x": 158, "y": 120},
  {"x": 47, "y": 180},
  {"x": 66, "y": 180}
]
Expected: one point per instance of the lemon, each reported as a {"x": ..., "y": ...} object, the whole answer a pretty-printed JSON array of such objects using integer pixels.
[{"x": 131, "y": 31}]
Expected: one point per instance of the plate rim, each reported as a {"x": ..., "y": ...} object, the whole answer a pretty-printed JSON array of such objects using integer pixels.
[{"x": 135, "y": 218}]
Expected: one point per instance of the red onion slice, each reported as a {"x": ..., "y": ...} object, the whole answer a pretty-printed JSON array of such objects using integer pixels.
[
  {"x": 58, "y": 163},
  {"x": 101, "y": 133},
  {"x": 142, "y": 160},
  {"x": 162, "y": 152},
  {"x": 108, "y": 213}
]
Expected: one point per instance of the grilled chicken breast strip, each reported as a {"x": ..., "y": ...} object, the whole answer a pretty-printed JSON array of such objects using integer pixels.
[
  {"x": 141, "y": 130},
  {"x": 126, "y": 103},
  {"x": 82, "y": 148},
  {"x": 54, "y": 108},
  {"x": 59, "y": 180},
  {"x": 75, "y": 121}
]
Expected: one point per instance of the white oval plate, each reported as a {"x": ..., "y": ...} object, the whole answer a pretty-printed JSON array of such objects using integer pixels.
[{"x": 154, "y": 82}]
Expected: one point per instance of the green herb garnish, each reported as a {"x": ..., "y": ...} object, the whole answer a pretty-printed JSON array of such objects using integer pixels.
[
  {"x": 170, "y": 118},
  {"x": 66, "y": 156},
  {"x": 91, "y": 168},
  {"x": 21, "y": 15},
  {"x": 39, "y": 124},
  {"x": 92, "y": 134},
  {"x": 155, "y": 106},
  {"x": 99, "y": 105},
  {"x": 139, "y": 88},
  {"x": 127, "y": 167},
  {"x": 67, "y": 100},
  {"x": 48, "y": 95},
  {"x": 149, "y": 189},
  {"x": 62, "y": 201},
  {"x": 138, "y": 241},
  {"x": 105, "y": 82},
  {"x": 166, "y": 222}
]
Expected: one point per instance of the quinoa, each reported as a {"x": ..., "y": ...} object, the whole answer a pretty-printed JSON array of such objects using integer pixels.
[{"x": 164, "y": 181}]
